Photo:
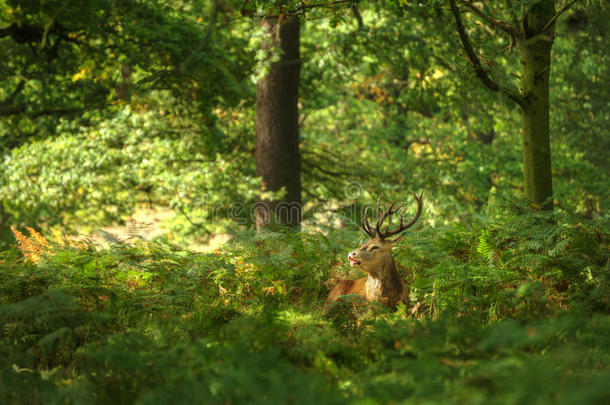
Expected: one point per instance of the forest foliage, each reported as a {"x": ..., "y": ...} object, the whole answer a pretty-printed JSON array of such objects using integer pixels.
[
  {"x": 108, "y": 108},
  {"x": 502, "y": 312}
]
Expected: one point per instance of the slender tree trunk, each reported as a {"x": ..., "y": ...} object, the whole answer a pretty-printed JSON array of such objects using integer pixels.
[
  {"x": 4, "y": 229},
  {"x": 278, "y": 159},
  {"x": 536, "y": 66}
]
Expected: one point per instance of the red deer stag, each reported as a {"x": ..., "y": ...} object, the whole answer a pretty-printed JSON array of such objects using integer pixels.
[{"x": 382, "y": 283}]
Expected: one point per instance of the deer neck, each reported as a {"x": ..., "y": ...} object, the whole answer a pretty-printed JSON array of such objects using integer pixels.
[{"x": 383, "y": 283}]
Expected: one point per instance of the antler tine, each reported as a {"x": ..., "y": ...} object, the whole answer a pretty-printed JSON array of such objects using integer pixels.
[
  {"x": 379, "y": 214},
  {"x": 365, "y": 224},
  {"x": 410, "y": 223},
  {"x": 382, "y": 217},
  {"x": 369, "y": 229},
  {"x": 399, "y": 207}
]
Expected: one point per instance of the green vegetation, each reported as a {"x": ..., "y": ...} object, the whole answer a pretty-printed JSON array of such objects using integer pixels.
[
  {"x": 189, "y": 108},
  {"x": 504, "y": 312}
]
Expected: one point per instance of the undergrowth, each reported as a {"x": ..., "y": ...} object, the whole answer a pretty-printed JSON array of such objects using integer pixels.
[{"x": 514, "y": 309}]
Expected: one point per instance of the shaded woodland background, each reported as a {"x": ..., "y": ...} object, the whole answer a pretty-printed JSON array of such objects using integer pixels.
[{"x": 202, "y": 117}]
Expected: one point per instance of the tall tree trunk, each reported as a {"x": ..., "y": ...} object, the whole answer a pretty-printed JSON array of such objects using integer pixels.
[
  {"x": 278, "y": 159},
  {"x": 535, "y": 36},
  {"x": 536, "y": 66}
]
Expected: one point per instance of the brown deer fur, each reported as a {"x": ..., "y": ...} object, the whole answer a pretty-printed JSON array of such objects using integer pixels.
[{"x": 382, "y": 283}]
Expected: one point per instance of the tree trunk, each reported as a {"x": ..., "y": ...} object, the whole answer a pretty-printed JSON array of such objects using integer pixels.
[
  {"x": 4, "y": 228},
  {"x": 278, "y": 160},
  {"x": 536, "y": 67}
]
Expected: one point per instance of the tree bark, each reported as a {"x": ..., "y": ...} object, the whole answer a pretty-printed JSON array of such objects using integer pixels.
[
  {"x": 278, "y": 160},
  {"x": 536, "y": 66}
]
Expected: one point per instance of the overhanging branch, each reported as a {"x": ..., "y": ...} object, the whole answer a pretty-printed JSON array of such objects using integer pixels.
[
  {"x": 494, "y": 22},
  {"x": 299, "y": 10},
  {"x": 8, "y": 110},
  {"x": 476, "y": 62},
  {"x": 558, "y": 14}
]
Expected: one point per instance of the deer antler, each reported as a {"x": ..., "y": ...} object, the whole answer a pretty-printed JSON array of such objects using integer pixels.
[
  {"x": 382, "y": 215},
  {"x": 365, "y": 224}
]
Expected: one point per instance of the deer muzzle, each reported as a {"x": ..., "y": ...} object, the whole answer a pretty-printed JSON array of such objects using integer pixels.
[{"x": 351, "y": 256}]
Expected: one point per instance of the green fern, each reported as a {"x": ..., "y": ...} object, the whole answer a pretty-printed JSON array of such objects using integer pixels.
[
  {"x": 494, "y": 308},
  {"x": 484, "y": 248}
]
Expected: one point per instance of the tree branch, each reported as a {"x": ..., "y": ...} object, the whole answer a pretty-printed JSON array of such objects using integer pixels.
[
  {"x": 476, "y": 62},
  {"x": 60, "y": 111},
  {"x": 301, "y": 9},
  {"x": 10, "y": 98},
  {"x": 331, "y": 4},
  {"x": 357, "y": 16},
  {"x": 494, "y": 22},
  {"x": 327, "y": 172},
  {"x": 558, "y": 14},
  {"x": 204, "y": 40},
  {"x": 513, "y": 16},
  {"x": 7, "y": 110}
]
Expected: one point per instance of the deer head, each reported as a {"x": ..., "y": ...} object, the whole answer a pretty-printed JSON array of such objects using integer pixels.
[{"x": 376, "y": 255}]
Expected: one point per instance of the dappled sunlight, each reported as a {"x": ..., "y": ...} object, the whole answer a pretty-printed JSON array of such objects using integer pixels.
[{"x": 304, "y": 202}]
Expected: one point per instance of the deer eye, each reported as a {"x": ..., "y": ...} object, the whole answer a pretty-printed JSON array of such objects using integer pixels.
[{"x": 374, "y": 247}]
